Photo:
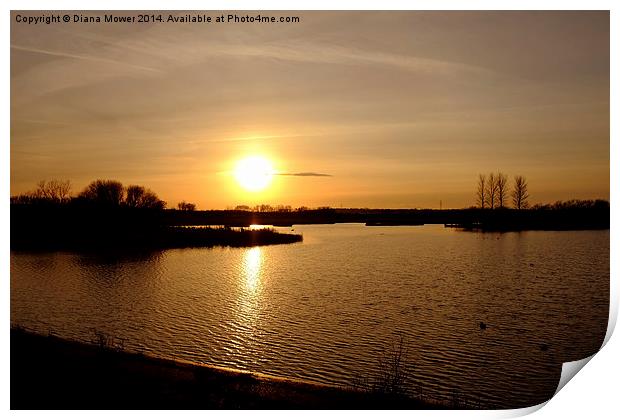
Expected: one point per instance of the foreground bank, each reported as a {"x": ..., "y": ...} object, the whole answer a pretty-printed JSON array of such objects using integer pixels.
[{"x": 51, "y": 373}]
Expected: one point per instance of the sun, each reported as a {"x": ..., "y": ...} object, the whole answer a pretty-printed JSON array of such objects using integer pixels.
[{"x": 254, "y": 173}]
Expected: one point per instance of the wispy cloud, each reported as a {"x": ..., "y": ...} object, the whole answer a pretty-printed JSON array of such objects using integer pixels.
[
  {"x": 302, "y": 174},
  {"x": 307, "y": 51},
  {"x": 83, "y": 57},
  {"x": 182, "y": 49}
]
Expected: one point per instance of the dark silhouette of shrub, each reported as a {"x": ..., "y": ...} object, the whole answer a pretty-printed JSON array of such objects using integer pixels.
[
  {"x": 390, "y": 379},
  {"x": 185, "y": 206},
  {"x": 142, "y": 198},
  {"x": 106, "y": 193}
]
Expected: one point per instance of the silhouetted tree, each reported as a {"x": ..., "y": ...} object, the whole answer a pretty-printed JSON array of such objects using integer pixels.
[
  {"x": 502, "y": 189},
  {"x": 284, "y": 208},
  {"x": 134, "y": 195},
  {"x": 481, "y": 193},
  {"x": 142, "y": 198},
  {"x": 519, "y": 193},
  {"x": 104, "y": 192},
  {"x": 53, "y": 190},
  {"x": 186, "y": 206},
  {"x": 574, "y": 204},
  {"x": 491, "y": 194}
]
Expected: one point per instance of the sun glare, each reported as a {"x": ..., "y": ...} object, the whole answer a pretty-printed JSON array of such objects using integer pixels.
[{"x": 254, "y": 173}]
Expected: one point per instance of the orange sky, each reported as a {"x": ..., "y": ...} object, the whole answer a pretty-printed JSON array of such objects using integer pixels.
[{"x": 402, "y": 109}]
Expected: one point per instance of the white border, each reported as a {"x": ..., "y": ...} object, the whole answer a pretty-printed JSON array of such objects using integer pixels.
[{"x": 592, "y": 394}]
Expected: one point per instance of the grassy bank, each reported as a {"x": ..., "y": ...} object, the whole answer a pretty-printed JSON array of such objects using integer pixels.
[{"x": 51, "y": 373}]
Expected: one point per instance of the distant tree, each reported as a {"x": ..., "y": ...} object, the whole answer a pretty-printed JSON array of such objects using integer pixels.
[
  {"x": 243, "y": 207},
  {"x": 186, "y": 206},
  {"x": 263, "y": 208},
  {"x": 142, "y": 198},
  {"x": 491, "y": 194},
  {"x": 53, "y": 190},
  {"x": 481, "y": 193},
  {"x": 26, "y": 198},
  {"x": 519, "y": 193},
  {"x": 104, "y": 192},
  {"x": 539, "y": 206},
  {"x": 284, "y": 209},
  {"x": 579, "y": 204},
  {"x": 601, "y": 203},
  {"x": 502, "y": 189}
]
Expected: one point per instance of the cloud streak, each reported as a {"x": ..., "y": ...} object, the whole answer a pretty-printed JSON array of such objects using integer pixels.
[
  {"x": 302, "y": 174},
  {"x": 83, "y": 57}
]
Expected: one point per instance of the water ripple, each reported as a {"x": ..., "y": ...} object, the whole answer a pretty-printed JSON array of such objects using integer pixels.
[{"x": 330, "y": 309}]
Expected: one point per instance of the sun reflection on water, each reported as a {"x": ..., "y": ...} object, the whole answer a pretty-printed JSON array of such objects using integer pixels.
[
  {"x": 245, "y": 322},
  {"x": 252, "y": 261}
]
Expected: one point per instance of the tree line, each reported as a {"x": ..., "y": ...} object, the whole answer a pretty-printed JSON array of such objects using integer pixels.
[
  {"x": 493, "y": 191},
  {"x": 101, "y": 192}
]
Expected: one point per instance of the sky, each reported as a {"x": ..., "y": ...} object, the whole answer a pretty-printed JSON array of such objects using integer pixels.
[{"x": 400, "y": 109}]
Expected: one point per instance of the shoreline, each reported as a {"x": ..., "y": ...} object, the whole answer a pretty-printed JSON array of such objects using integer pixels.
[
  {"x": 149, "y": 238},
  {"x": 48, "y": 372}
]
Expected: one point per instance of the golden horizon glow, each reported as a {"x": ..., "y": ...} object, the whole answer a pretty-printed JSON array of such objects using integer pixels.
[{"x": 254, "y": 173}]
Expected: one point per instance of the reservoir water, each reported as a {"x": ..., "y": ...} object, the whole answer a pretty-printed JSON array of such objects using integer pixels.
[{"x": 487, "y": 318}]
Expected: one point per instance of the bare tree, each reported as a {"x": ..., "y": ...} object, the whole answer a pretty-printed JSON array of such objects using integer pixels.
[
  {"x": 105, "y": 192},
  {"x": 519, "y": 193},
  {"x": 481, "y": 193},
  {"x": 142, "y": 198},
  {"x": 134, "y": 195},
  {"x": 502, "y": 189},
  {"x": 186, "y": 206},
  {"x": 491, "y": 194},
  {"x": 53, "y": 190},
  {"x": 41, "y": 190}
]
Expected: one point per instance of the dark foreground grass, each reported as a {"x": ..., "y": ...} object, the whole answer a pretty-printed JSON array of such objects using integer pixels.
[{"x": 51, "y": 373}]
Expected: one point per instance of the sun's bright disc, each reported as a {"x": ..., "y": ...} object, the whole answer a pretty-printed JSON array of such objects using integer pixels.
[{"x": 254, "y": 173}]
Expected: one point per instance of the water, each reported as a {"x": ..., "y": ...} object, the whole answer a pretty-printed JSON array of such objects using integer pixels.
[{"x": 332, "y": 308}]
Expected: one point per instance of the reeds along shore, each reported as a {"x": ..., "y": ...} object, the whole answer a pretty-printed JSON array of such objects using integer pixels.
[
  {"x": 100, "y": 238},
  {"x": 51, "y": 373}
]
